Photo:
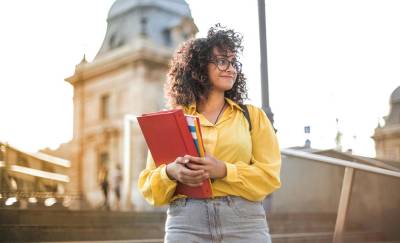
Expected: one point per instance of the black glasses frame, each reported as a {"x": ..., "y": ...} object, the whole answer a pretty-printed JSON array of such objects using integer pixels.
[{"x": 225, "y": 66}]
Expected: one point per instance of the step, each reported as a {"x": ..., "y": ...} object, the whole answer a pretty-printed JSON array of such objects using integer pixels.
[
  {"x": 47, "y": 234},
  {"x": 44, "y": 225},
  {"x": 68, "y": 218},
  {"x": 73, "y": 233},
  {"x": 159, "y": 240},
  {"x": 305, "y": 222},
  {"x": 318, "y": 237}
]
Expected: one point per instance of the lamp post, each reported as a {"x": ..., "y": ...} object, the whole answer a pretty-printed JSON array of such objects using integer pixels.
[
  {"x": 263, "y": 64},
  {"x": 267, "y": 202}
]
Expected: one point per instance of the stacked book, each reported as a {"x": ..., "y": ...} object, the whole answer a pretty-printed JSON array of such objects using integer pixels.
[{"x": 171, "y": 134}]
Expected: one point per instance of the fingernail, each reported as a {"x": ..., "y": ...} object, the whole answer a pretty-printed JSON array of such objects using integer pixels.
[{"x": 186, "y": 160}]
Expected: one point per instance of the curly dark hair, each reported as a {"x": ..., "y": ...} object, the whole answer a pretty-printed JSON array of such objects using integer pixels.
[{"x": 188, "y": 81}]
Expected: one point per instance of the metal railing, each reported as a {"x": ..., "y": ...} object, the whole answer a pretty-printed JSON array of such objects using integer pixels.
[{"x": 345, "y": 195}]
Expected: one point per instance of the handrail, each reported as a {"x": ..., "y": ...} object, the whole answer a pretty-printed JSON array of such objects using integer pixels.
[
  {"x": 347, "y": 185},
  {"x": 340, "y": 162}
]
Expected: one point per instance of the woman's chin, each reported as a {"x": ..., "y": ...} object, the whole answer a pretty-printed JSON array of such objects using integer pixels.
[
  {"x": 225, "y": 85},
  {"x": 224, "y": 89}
]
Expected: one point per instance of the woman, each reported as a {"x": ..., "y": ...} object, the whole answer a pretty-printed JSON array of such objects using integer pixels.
[{"x": 205, "y": 79}]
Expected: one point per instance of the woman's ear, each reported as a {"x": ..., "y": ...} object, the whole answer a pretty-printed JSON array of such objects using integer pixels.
[
  {"x": 198, "y": 77},
  {"x": 195, "y": 76}
]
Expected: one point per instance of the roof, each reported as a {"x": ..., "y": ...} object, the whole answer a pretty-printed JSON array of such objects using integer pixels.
[
  {"x": 129, "y": 20},
  {"x": 395, "y": 97},
  {"x": 304, "y": 149},
  {"x": 394, "y": 116},
  {"x": 122, "y": 6}
]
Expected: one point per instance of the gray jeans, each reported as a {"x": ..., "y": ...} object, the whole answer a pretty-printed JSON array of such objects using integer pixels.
[{"x": 225, "y": 219}]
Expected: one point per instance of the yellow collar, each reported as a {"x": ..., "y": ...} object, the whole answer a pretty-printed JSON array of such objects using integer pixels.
[
  {"x": 233, "y": 104},
  {"x": 191, "y": 109}
]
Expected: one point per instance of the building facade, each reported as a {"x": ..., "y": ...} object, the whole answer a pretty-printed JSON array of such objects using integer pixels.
[
  {"x": 32, "y": 180},
  {"x": 126, "y": 77},
  {"x": 387, "y": 138}
]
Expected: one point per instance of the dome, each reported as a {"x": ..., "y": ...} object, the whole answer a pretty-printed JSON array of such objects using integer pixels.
[
  {"x": 155, "y": 20},
  {"x": 177, "y": 6},
  {"x": 395, "y": 97},
  {"x": 394, "y": 115}
]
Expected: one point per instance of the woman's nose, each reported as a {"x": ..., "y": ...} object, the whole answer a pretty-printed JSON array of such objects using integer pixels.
[{"x": 231, "y": 68}]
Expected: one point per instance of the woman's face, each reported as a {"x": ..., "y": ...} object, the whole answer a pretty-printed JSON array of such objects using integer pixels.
[{"x": 222, "y": 70}]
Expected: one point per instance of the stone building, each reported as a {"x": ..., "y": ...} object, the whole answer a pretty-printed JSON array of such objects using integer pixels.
[
  {"x": 32, "y": 180},
  {"x": 126, "y": 77},
  {"x": 387, "y": 138}
]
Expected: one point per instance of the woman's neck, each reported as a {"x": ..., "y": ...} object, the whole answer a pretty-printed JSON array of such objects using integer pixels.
[{"x": 212, "y": 104}]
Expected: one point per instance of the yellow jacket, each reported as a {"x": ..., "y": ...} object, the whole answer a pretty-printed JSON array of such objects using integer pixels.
[{"x": 253, "y": 161}]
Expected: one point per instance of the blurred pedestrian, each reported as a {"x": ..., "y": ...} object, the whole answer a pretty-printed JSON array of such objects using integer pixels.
[
  {"x": 104, "y": 184},
  {"x": 116, "y": 181}
]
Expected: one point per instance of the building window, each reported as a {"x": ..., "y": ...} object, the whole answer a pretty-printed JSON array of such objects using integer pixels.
[
  {"x": 115, "y": 42},
  {"x": 2, "y": 153},
  {"x": 103, "y": 159},
  {"x": 22, "y": 161},
  {"x": 112, "y": 41},
  {"x": 47, "y": 167},
  {"x": 105, "y": 107},
  {"x": 167, "y": 37},
  {"x": 143, "y": 26},
  {"x": 185, "y": 35}
]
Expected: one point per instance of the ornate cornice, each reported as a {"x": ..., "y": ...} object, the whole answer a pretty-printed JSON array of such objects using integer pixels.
[{"x": 140, "y": 50}]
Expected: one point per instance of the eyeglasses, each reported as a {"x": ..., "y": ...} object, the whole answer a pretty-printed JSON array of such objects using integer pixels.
[{"x": 223, "y": 64}]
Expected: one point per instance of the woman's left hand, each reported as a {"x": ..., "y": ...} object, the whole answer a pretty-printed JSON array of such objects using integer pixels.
[{"x": 215, "y": 168}]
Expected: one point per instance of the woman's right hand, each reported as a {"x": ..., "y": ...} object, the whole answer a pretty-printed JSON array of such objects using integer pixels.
[{"x": 177, "y": 170}]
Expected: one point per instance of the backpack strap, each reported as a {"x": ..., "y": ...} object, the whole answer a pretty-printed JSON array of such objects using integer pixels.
[{"x": 246, "y": 114}]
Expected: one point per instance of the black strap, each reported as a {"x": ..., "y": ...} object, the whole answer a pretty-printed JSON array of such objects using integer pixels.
[{"x": 246, "y": 114}]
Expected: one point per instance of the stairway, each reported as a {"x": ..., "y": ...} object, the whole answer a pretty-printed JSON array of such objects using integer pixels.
[
  {"x": 63, "y": 225},
  {"x": 315, "y": 228}
]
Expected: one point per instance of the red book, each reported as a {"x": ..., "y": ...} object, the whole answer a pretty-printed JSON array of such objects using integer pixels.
[{"x": 167, "y": 136}]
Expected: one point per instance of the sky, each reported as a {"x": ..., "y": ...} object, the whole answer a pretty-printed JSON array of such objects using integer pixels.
[{"x": 327, "y": 60}]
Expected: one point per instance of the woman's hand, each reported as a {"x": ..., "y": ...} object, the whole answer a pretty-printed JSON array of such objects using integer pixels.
[
  {"x": 178, "y": 171},
  {"x": 215, "y": 168}
]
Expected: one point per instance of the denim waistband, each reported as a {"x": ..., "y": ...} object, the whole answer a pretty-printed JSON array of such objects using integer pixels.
[{"x": 225, "y": 199}]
